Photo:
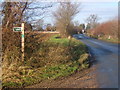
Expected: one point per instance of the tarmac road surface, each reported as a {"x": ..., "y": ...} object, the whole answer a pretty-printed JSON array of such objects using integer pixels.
[{"x": 106, "y": 60}]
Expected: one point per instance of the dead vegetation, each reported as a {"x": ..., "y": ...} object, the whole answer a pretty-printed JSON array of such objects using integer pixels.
[
  {"x": 45, "y": 58},
  {"x": 64, "y": 16},
  {"x": 106, "y": 31}
]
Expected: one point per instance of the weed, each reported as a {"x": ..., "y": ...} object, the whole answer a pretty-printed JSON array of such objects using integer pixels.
[{"x": 53, "y": 58}]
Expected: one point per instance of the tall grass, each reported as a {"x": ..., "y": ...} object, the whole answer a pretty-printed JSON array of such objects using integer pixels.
[{"x": 52, "y": 58}]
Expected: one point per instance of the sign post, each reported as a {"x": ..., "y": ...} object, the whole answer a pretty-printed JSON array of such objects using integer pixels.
[
  {"x": 22, "y": 43},
  {"x": 17, "y": 29},
  {"x": 21, "y": 29}
]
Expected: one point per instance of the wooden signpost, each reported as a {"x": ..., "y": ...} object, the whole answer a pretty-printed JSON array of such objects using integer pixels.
[
  {"x": 21, "y": 29},
  {"x": 23, "y": 40}
]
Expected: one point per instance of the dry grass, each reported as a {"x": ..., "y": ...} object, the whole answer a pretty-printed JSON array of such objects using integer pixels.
[
  {"x": 52, "y": 58},
  {"x": 106, "y": 31}
]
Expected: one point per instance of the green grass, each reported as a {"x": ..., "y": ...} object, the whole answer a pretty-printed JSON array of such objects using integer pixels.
[
  {"x": 49, "y": 72},
  {"x": 54, "y": 47},
  {"x": 61, "y": 41},
  {"x": 105, "y": 38},
  {"x": 60, "y": 70},
  {"x": 113, "y": 40},
  {"x": 64, "y": 41}
]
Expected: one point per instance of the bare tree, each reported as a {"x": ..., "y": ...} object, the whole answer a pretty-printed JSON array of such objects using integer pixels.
[
  {"x": 107, "y": 29},
  {"x": 92, "y": 21},
  {"x": 17, "y": 12},
  {"x": 37, "y": 11},
  {"x": 12, "y": 16},
  {"x": 64, "y": 16},
  {"x": 14, "y": 13}
]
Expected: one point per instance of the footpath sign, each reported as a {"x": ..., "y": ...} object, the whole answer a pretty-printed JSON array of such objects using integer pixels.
[
  {"x": 17, "y": 29},
  {"x": 21, "y": 29}
]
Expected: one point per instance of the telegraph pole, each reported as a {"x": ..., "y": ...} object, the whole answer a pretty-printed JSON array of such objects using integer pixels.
[{"x": 23, "y": 40}]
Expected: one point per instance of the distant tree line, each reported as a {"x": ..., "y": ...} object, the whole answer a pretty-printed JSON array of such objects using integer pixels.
[{"x": 108, "y": 29}]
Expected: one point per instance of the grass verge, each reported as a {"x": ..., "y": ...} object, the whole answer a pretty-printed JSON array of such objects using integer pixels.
[{"x": 56, "y": 57}]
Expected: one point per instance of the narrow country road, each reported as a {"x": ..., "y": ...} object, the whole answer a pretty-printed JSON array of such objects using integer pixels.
[
  {"x": 102, "y": 74},
  {"x": 106, "y": 60}
]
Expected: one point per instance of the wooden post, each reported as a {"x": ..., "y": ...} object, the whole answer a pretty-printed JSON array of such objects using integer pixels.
[{"x": 22, "y": 43}]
